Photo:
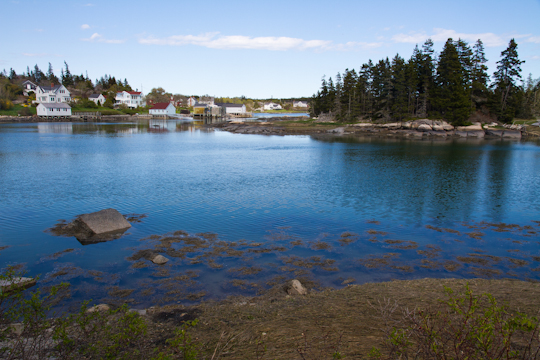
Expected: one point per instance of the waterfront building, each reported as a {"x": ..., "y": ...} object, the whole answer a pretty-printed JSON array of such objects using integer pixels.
[
  {"x": 53, "y": 110},
  {"x": 52, "y": 94},
  {"x": 272, "y": 106},
  {"x": 162, "y": 109},
  {"x": 300, "y": 104},
  {"x": 233, "y": 109},
  {"x": 28, "y": 87},
  {"x": 132, "y": 99}
]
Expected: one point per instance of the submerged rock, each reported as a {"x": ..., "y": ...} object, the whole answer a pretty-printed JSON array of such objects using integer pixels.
[
  {"x": 160, "y": 260},
  {"x": 16, "y": 283}
]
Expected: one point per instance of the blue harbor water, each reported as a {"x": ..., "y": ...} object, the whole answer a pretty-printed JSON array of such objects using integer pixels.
[{"x": 236, "y": 214}]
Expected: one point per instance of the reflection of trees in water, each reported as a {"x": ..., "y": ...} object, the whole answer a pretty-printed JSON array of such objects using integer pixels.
[{"x": 415, "y": 180}]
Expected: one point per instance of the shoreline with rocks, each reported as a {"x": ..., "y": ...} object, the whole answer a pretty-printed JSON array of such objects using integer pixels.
[{"x": 416, "y": 129}]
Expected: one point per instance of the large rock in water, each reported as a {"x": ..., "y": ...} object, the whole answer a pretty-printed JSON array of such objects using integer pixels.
[
  {"x": 95, "y": 227},
  {"x": 295, "y": 287},
  {"x": 104, "y": 221}
]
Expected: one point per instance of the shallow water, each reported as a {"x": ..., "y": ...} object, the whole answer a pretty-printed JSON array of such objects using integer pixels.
[{"x": 280, "y": 201}]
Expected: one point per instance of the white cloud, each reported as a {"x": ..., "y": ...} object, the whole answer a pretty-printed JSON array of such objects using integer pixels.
[
  {"x": 535, "y": 57},
  {"x": 99, "y": 38},
  {"x": 214, "y": 40},
  {"x": 88, "y": 4},
  {"x": 441, "y": 35},
  {"x": 534, "y": 39},
  {"x": 41, "y": 55},
  {"x": 85, "y": 26}
]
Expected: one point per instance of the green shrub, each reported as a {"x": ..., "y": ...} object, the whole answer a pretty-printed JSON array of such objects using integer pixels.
[
  {"x": 463, "y": 327},
  {"x": 6, "y": 104}
]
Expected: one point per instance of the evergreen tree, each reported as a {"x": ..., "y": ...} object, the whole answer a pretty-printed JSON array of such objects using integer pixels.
[
  {"x": 479, "y": 76},
  {"x": 507, "y": 91},
  {"x": 426, "y": 71},
  {"x": 38, "y": 75},
  {"x": 51, "y": 78},
  {"x": 452, "y": 99},
  {"x": 399, "y": 88},
  {"x": 67, "y": 78}
]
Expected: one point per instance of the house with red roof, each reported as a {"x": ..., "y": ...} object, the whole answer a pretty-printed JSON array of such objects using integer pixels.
[
  {"x": 162, "y": 109},
  {"x": 131, "y": 99}
]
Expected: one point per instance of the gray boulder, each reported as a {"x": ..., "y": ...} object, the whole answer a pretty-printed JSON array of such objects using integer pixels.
[
  {"x": 104, "y": 221},
  {"x": 512, "y": 134},
  {"x": 494, "y": 132},
  {"x": 295, "y": 287},
  {"x": 424, "y": 127},
  {"x": 160, "y": 260}
]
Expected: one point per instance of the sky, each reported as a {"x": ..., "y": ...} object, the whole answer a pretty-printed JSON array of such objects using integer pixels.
[{"x": 278, "y": 49}]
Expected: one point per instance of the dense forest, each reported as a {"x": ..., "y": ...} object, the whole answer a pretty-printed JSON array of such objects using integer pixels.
[{"x": 453, "y": 85}]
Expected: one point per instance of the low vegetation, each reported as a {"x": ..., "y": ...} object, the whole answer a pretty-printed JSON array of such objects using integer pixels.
[{"x": 357, "y": 322}]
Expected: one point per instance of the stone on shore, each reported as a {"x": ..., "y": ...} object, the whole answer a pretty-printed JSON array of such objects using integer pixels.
[
  {"x": 295, "y": 287},
  {"x": 424, "y": 127},
  {"x": 512, "y": 134},
  {"x": 475, "y": 127},
  {"x": 447, "y": 127},
  {"x": 100, "y": 307},
  {"x": 104, "y": 221},
  {"x": 339, "y": 130},
  {"x": 160, "y": 260},
  {"x": 494, "y": 132},
  {"x": 477, "y": 134},
  {"x": 16, "y": 283}
]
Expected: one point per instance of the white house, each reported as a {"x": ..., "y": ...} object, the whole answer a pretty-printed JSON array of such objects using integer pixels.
[
  {"x": 53, "y": 109},
  {"x": 272, "y": 106},
  {"x": 300, "y": 104},
  {"x": 191, "y": 101},
  {"x": 52, "y": 94},
  {"x": 131, "y": 99},
  {"x": 233, "y": 109},
  {"x": 28, "y": 87},
  {"x": 162, "y": 109},
  {"x": 99, "y": 99}
]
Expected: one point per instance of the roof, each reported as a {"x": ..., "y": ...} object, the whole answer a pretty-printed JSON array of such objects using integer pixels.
[
  {"x": 200, "y": 105},
  {"x": 28, "y": 81},
  {"x": 229, "y": 105},
  {"x": 158, "y": 106},
  {"x": 134, "y": 92},
  {"x": 94, "y": 96},
  {"x": 49, "y": 88},
  {"x": 56, "y": 105}
]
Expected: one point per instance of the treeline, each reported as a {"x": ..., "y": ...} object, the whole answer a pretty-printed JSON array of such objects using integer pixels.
[
  {"x": 80, "y": 86},
  {"x": 454, "y": 85}
]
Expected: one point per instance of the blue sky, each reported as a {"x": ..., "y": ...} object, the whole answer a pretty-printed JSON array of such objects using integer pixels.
[{"x": 258, "y": 49}]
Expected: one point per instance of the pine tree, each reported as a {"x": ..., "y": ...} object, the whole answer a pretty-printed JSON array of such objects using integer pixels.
[
  {"x": 67, "y": 78},
  {"x": 399, "y": 88},
  {"x": 479, "y": 76},
  {"x": 452, "y": 99},
  {"x": 508, "y": 72},
  {"x": 426, "y": 76},
  {"x": 51, "y": 78}
]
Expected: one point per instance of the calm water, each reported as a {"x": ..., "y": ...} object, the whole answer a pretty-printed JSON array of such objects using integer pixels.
[{"x": 281, "y": 203}]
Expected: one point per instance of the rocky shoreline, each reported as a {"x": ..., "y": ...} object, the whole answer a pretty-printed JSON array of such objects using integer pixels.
[{"x": 423, "y": 128}]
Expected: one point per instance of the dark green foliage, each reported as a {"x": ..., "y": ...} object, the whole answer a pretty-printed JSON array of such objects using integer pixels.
[
  {"x": 452, "y": 86},
  {"x": 507, "y": 93}
]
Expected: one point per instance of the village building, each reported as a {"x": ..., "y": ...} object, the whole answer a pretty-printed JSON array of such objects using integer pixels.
[
  {"x": 233, "y": 109},
  {"x": 208, "y": 100},
  {"x": 99, "y": 99},
  {"x": 198, "y": 109},
  {"x": 52, "y": 94},
  {"x": 28, "y": 87},
  {"x": 191, "y": 101},
  {"x": 132, "y": 99},
  {"x": 300, "y": 104},
  {"x": 162, "y": 109},
  {"x": 272, "y": 106},
  {"x": 53, "y": 110}
]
